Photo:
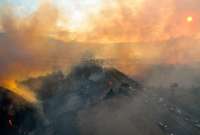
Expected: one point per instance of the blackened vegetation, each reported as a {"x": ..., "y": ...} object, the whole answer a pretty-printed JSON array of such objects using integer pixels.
[
  {"x": 62, "y": 97},
  {"x": 87, "y": 85},
  {"x": 96, "y": 100}
]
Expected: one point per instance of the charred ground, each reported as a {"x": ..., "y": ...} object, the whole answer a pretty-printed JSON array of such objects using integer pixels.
[{"x": 93, "y": 99}]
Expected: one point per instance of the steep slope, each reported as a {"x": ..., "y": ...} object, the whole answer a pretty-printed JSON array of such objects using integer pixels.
[{"x": 17, "y": 116}]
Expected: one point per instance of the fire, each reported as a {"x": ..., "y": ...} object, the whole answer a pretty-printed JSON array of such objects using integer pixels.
[
  {"x": 10, "y": 123},
  {"x": 27, "y": 94},
  {"x": 135, "y": 37}
]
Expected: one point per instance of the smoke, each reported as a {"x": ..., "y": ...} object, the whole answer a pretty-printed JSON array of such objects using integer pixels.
[
  {"x": 22, "y": 40},
  {"x": 131, "y": 35},
  {"x": 131, "y": 21},
  {"x": 28, "y": 48},
  {"x": 121, "y": 116},
  {"x": 143, "y": 20}
]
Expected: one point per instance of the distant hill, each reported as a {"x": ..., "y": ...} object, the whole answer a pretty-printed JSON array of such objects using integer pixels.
[{"x": 88, "y": 84}]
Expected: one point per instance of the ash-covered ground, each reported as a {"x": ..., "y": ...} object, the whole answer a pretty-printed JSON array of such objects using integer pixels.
[{"x": 95, "y": 100}]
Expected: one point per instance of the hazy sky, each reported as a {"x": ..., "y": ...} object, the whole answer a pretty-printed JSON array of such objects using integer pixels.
[
  {"x": 152, "y": 31},
  {"x": 22, "y": 7},
  {"x": 78, "y": 14}
]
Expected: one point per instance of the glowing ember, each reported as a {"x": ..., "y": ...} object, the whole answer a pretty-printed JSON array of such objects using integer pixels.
[{"x": 10, "y": 123}]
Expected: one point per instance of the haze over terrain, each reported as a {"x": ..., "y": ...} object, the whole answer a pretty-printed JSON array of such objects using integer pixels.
[
  {"x": 38, "y": 37},
  {"x": 152, "y": 43}
]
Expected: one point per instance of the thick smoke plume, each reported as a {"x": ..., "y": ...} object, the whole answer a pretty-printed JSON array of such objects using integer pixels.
[{"x": 133, "y": 36}]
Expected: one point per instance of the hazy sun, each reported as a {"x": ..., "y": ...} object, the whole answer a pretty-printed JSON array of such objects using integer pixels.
[
  {"x": 189, "y": 19},
  {"x": 78, "y": 12}
]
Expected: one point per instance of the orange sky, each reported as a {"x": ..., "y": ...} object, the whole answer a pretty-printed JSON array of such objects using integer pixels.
[{"x": 135, "y": 33}]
